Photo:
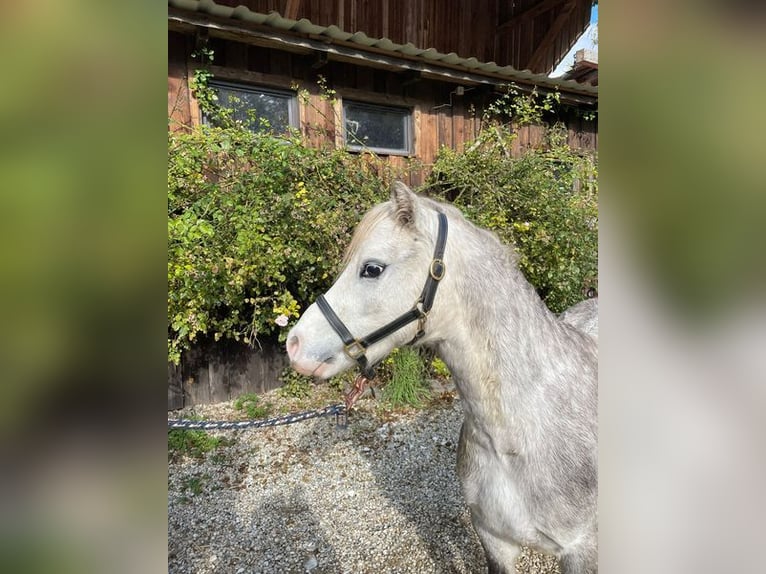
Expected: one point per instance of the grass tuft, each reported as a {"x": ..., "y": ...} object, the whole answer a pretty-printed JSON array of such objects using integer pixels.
[
  {"x": 251, "y": 404},
  {"x": 192, "y": 443},
  {"x": 408, "y": 386}
]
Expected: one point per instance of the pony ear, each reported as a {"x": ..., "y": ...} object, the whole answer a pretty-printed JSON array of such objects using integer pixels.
[{"x": 403, "y": 200}]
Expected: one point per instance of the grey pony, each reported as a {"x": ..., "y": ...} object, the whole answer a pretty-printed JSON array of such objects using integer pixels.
[{"x": 527, "y": 379}]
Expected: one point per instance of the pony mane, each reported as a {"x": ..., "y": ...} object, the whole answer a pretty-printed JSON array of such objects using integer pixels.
[
  {"x": 369, "y": 221},
  {"x": 493, "y": 241}
]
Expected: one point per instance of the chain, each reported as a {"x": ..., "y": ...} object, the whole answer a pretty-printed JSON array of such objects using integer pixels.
[{"x": 338, "y": 410}]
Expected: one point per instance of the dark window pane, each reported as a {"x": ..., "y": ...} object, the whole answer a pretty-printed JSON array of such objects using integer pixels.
[
  {"x": 251, "y": 106},
  {"x": 377, "y": 127}
]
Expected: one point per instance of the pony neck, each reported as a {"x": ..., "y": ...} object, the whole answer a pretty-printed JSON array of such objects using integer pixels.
[{"x": 500, "y": 335}]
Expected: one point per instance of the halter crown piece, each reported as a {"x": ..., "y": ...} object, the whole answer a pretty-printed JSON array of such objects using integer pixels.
[{"x": 356, "y": 348}]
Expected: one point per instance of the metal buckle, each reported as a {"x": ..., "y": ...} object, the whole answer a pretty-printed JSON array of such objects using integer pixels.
[
  {"x": 357, "y": 390},
  {"x": 421, "y": 326},
  {"x": 437, "y": 269},
  {"x": 354, "y": 350}
]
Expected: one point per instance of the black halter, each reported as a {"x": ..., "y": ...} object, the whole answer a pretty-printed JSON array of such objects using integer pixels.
[{"x": 356, "y": 348}]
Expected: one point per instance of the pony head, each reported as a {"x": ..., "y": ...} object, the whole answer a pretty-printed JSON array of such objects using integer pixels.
[{"x": 385, "y": 268}]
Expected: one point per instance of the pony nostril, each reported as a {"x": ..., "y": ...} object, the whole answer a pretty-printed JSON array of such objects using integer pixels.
[{"x": 293, "y": 344}]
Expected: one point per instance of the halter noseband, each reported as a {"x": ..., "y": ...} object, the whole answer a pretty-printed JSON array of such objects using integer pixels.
[{"x": 356, "y": 348}]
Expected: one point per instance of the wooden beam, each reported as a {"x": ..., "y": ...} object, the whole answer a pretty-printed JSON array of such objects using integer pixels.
[
  {"x": 320, "y": 61},
  {"x": 201, "y": 37},
  {"x": 531, "y": 12},
  {"x": 550, "y": 37},
  {"x": 291, "y": 9},
  {"x": 410, "y": 77}
]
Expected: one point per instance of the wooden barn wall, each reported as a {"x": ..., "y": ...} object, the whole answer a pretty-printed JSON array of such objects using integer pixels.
[
  {"x": 440, "y": 117},
  {"x": 447, "y": 26},
  {"x": 466, "y": 27},
  {"x": 517, "y": 45}
]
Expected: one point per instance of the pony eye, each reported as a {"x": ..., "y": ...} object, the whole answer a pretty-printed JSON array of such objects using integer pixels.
[{"x": 372, "y": 270}]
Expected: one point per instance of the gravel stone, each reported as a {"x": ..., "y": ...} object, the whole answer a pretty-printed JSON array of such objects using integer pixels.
[{"x": 379, "y": 496}]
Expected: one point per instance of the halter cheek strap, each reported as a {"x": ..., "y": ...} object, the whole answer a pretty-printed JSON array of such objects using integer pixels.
[{"x": 356, "y": 348}]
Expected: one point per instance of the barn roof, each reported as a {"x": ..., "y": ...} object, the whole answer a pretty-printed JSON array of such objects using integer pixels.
[
  {"x": 585, "y": 68},
  {"x": 272, "y": 29}
]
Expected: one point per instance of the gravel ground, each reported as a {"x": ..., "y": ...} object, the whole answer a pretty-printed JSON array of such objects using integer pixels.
[{"x": 380, "y": 496}]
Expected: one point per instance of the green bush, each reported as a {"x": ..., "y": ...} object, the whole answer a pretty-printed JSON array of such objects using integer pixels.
[
  {"x": 294, "y": 384},
  {"x": 440, "y": 369},
  {"x": 544, "y": 202},
  {"x": 257, "y": 225}
]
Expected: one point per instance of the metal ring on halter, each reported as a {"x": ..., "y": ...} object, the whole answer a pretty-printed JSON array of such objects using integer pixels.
[{"x": 437, "y": 270}]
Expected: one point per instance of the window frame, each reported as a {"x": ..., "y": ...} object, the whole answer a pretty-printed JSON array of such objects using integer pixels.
[
  {"x": 293, "y": 111},
  {"x": 409, "y": 132}
]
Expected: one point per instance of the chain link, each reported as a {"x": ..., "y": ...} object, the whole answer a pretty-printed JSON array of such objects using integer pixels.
[{"x": 337, "y": 410}]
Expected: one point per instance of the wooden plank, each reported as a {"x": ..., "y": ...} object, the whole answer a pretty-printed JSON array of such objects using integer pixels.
[
  {"x": 418, "y": 139},
  {"x": 536, "y": 136},
  {"x": 411, "y": 23},
  {"x": 328, "y": 13},
  {"x": 179, "y": 110},
  {"x": 374, "y": 97},
  {"x": 322, "y": 127},
  {"x": 416, "y": 177},
  {"x": 313, "y": 119},
  {"x": 458, "y": 123},
  {"x": 427, "y": 136},
  {"x": 521, "y": 143},
  {"x": 537, "y": 59},
  {"x": 235, "y": 55},
  {"x": 340, "y": 14},
  {"x": 473, "y": 126},
  {"x": 337, "y": 113},
  {"x": 384, "y": 7},
  {"x": 291, "y": 9},
  {"x": 444, "y": 128},
  {"x": 353, "y": 24},
  {"x": 525, "y": 15},
  {"x": 178, "y": 90},
  {"x": 280, "y": 63},
  {"x": 571, "y": 131},
  {"x": 588, "y": 138},
  {"x": 273, "y": 80},
  {"x": 195, "y": 113},
  {"x": 365, "y": 79},
  {"x": 483, "y": 41}
]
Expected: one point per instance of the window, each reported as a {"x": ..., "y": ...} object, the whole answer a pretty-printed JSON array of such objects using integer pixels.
[
  {"x": 259, "y": 108},
  {"x": 384, "y": 129}
]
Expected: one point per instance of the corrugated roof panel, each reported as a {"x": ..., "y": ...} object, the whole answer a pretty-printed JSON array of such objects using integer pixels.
[
  {"x": 240, "y": 12},
  {"x": 307, "y": 27},
  {"x": 385, "y": 44},
  {"x": 358, "y": 38},
  {"x": 451, "y": 58},
  {"x": 409, "y": 49},
  {"x": 335, "y": 32}
]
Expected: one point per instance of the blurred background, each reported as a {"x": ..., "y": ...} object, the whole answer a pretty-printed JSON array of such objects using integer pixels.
[{"x": 682, "y": 277}]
